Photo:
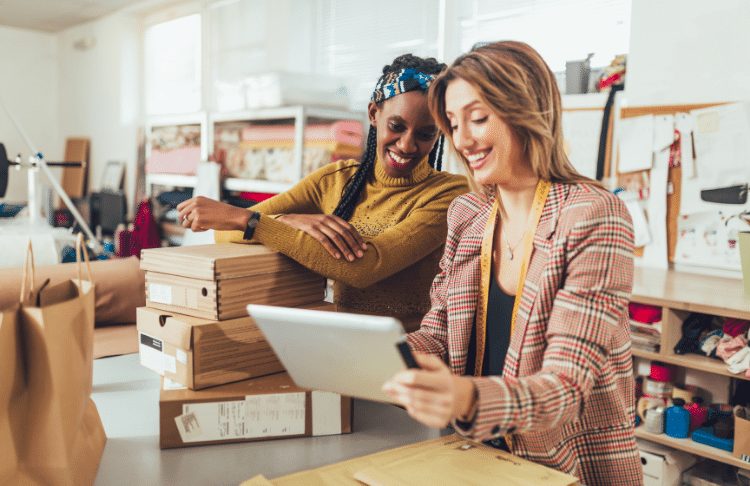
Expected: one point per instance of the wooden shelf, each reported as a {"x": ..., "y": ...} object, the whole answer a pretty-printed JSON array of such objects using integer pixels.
[
  {"x": 679, "y": 294},
  {"x": 692, "y": 361},
  {"x": 691, "y": 292},
  {"x": 689, "y": 445}
]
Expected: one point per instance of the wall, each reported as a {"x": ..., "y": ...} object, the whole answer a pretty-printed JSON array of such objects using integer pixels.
[
  {"x": 688, "y": 51},
  {"x": 28, "y": 87},
  {"x": 682, "y": 52},
  {"x": 100, "y": 92}
]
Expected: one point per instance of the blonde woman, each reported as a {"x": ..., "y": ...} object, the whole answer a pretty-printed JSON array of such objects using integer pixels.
[{"x": 527, "y": 342}]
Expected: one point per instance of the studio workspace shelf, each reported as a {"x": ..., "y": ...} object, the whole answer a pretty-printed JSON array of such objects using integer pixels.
[
  {"x": 298, "y": 115},
  {"x": 679, "y": 294}
]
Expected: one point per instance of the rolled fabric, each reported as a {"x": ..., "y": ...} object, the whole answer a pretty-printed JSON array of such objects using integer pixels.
[{"x": 119, "y": 286}]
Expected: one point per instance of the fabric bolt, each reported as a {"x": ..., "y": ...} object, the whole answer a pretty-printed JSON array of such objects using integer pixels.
[
  {"x": 644, "y": 313},
  {"x": 403, "y": 222},
  {"x": 709, "y": 343},
  {"x": 739, "y": 362},
  {"x": 735, "y": 327},
  {"x": 726, "y": 349},
  {"x": 566, "y": 398}
]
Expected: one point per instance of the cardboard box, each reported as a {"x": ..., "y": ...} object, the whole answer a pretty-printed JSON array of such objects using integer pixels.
[
  {"x": 663, "y": 466},
  {"x": 216, "y": 261},
  {"x": 217, "y": 281},
  {"x": 269, "y": 407},
  {"x": 199, "y": 353}
]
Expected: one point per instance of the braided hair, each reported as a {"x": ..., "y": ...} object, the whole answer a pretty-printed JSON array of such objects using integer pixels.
[{"x": 356, "y": 182}]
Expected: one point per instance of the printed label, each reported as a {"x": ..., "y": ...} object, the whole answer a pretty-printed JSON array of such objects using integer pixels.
[
  {"x": 170, "y": 364},
  {"x": 326, "y": 413},
  {"x": 256, "y": 416},
  {"x": 182, "y": 356},
  {"x": 150, "y": 351},
  {"x": 189, "y": 427},
  {"x": 172, "y": 385},
  {"x": 160, "y": 293}
]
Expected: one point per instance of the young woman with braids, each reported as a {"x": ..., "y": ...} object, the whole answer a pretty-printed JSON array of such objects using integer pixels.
[{"x": 377, "y": 228}]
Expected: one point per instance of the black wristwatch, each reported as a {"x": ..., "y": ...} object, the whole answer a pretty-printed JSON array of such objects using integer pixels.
[{"x": 251, "y": 224}]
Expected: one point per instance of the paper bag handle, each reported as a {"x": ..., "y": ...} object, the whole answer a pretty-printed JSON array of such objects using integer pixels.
[
  {"x": 79, "y": 250},
  {"x": 26, "y": 267}
]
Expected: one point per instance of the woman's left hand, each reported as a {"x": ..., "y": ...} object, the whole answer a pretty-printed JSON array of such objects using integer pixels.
[{"x": 432, "y": 394}]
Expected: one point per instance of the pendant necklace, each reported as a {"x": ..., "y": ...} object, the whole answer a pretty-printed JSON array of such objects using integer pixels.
[{"x": 507, "y": 244}]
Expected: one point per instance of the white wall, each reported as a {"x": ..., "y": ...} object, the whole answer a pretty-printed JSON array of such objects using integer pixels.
[
  {"x": 688, "y": 51},
  {"x": 100, "y": 92},
  {"x": 28, "y": 87}
]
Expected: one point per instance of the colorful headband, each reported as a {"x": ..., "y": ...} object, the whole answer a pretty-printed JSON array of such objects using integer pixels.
[{"x": 392, "y": 84}]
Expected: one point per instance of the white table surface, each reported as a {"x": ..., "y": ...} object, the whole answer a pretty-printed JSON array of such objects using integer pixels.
[{"x": 127, "y": 397}]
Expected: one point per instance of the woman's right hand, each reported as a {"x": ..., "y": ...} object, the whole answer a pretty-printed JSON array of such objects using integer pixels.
[
  {"x": 201, "y": 214},
  {"x": 334, "y": 233}
]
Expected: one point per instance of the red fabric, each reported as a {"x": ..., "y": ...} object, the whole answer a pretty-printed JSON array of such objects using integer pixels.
[
  {"x": 645, "y": 314},
  {"x": 735, "y": 327},
  {"x": 256, "y": 196},
  {"x": 146, "y": 232}
]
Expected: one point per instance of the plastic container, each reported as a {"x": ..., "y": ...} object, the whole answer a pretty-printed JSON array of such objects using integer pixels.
[
  {"x": 705, "y": 435},
  {"x": 677, "y": 420},
  {"x": 654, "y": 422}
]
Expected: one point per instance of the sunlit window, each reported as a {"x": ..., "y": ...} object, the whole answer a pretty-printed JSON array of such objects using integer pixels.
[
  {"x": 561, "y": 30},
  {"x": 172, "y": 58}
]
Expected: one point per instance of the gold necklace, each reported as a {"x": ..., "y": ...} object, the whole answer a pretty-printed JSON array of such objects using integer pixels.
[{"x": 507, "y": 244}]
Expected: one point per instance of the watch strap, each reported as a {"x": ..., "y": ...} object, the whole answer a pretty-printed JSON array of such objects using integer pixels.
[{"x": 251, "y": 224}]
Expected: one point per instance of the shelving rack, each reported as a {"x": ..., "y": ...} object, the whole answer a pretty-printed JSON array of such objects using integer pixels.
[{"x": 679, "y": 294}]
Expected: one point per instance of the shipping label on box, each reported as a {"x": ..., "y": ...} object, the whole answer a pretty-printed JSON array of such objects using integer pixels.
[
  {"x": 199, "y": 353},
  {"x": 228, "y": 298},
  {"x": 268, "y": 407}
]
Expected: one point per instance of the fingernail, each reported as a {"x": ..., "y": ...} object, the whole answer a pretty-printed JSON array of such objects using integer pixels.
[
  {"x": 364, "y": 246},
  {"x": 359, "y": 254},
  {"x": 350, "y": 257},
  {"x": 337, "y": 255}
]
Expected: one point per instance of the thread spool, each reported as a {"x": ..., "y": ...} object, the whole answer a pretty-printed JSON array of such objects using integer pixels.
[
  {"x": 656, "y": 388},
  {"x": 686, "y": 392},
  {"x": 661, "y": 372},
  {"x": 647, "y": 403},
  {"x": 654, "y": 422}
]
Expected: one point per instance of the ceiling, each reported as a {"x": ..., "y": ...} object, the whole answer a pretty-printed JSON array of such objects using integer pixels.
[{"x": 56, "y": 15}]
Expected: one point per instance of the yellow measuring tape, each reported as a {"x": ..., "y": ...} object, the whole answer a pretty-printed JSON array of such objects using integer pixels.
[{"x": 540, "y": 198}]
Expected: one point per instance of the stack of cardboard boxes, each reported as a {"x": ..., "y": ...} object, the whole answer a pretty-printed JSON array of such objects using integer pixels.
[{"x": 222, "y": 382}]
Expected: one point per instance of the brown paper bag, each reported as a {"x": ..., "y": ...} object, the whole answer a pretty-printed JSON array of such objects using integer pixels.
[{"x": 50, "y": 430}]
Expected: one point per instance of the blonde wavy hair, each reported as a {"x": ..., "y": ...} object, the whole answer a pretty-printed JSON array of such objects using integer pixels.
[{"x": 513, "y": 80}]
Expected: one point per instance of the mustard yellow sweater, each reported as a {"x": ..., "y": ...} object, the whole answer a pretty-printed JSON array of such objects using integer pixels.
[{"x": 403, "y": 221}]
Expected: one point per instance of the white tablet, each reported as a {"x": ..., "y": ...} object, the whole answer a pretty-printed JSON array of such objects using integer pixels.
[{"x": 349, "y": 354}]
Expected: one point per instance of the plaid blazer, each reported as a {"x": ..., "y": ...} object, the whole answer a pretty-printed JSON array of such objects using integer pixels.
[{"x": 566, "y": 398}]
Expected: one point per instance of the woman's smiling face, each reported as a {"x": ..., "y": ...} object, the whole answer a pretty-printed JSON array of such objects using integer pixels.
[
  {"x": 406, "y": 131},
  {"x": 490, "y": 146}
]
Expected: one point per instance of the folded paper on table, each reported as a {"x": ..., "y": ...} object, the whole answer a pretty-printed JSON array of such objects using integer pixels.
[{"x": 446, "y": 460}]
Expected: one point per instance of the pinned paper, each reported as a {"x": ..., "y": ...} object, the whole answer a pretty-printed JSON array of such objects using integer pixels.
[
  {"x": 636, "y": 141},
  {"x": 663, "y": 132}
]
